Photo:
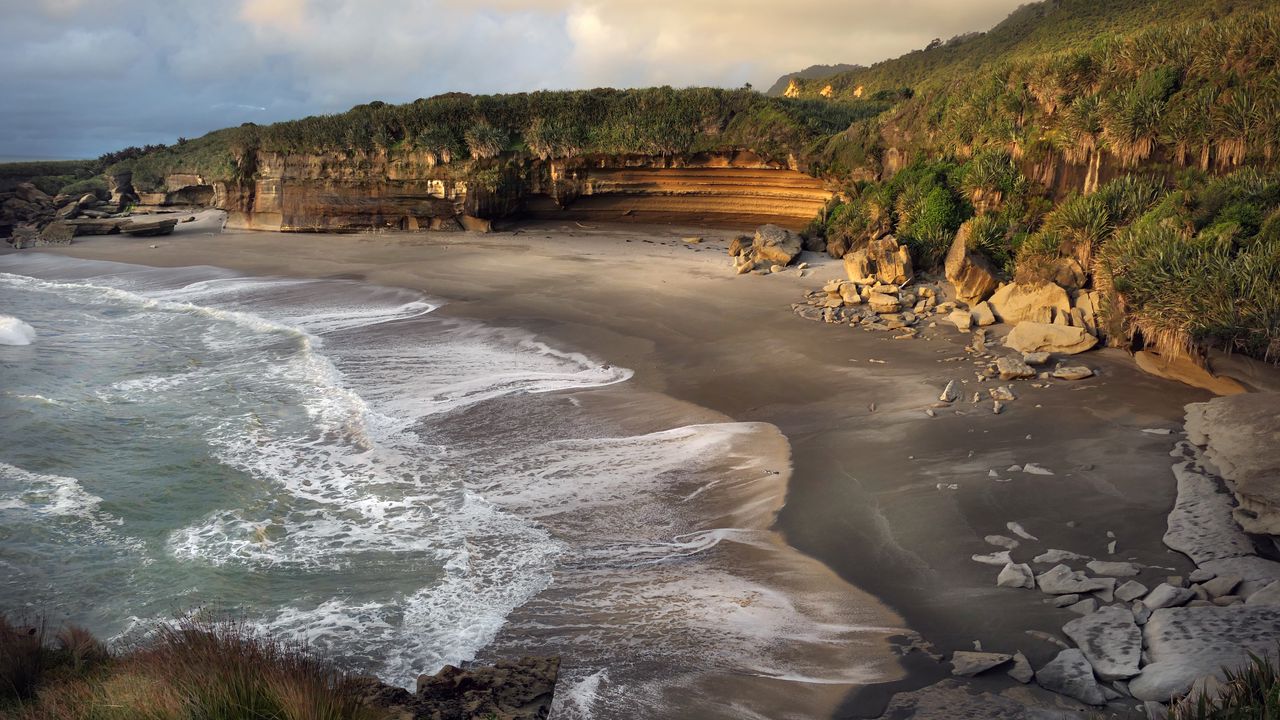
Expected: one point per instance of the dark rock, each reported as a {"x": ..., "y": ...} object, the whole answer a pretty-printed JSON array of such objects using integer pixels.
[
  {"x": 149, "y": 228},
  {"x": 510, "y": 690}
]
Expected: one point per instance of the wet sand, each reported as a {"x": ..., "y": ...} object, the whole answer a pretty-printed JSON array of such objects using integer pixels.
[{"x": 867, "y": 462}]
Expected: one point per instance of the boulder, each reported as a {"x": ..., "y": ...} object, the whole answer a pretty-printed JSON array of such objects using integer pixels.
[
  {"x": 1269, "y": 595},
  {"x": 892, "y": 262},
  {"x": 1030, "y": 337},
  {"x": 1035, "y": 358},
  {"x": 883, "y": 303},
  {"x": 954, "y": 699},
  {"x": 1110, "y": 641},
  {"x": 57, "y": 233},
  {"x": 1255, "y": 572},
  {"x": 983, "y": 315},
  {"x": 1021, "y": 302},
  {"x": 968, "y": 664},
  {"x": 32, "y": 194},
  {"x": 739, "y": 245},
  {"x": 1068, "y": 273},
  {"x": 962, "y": 319},
  {"x": 512, "y": 690},
  {"x": 1130, "y": 591},
  {"x": 1016, "y": 576},
  {"x": 1240, "y": 435},
  {"x": 1187, "y": 644},
  {"x": 1070, "y": 674},
  {"x": 1021, "y": 670},
  {"x": 1113, "y": 568},
  {"x": 857, "y": 266},
  {"x": 971, "y": 274},
  {"x": 1013, "y": 368},
  {"x": 149, "y": 228},
  {"x": 775, "y": 245},
  {"x": 1167, "y": 596}
]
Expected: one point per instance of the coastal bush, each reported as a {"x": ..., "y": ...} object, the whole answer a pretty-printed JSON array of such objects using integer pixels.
[
  {"x": 188, "y": 669},
  {"x": 1252, "y": 693}
]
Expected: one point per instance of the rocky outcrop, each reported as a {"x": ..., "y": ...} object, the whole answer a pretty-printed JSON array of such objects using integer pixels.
[
  {"x": 1021, "y": 302},
  {"x": 1029, "y": 337},
  {"x": 771, "y": 247},
  {"x": 414, "y": 190},
  {"x": 971, "y": 274},
  {"x": 1182, "y": 368},
  {"x": 509, "y": 690},
  {"x": 1189, "y": 643},
  {"x": 1240, "y": 435}
]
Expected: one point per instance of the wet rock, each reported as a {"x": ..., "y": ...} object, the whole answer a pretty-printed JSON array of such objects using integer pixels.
[
  {"x": 1130, "y": 591},
  {"x": 1110, "y": 640},
  {"x": 1113, "y": 569},
  {"x": 1021, "y": 670},
  {"x": 1029, "y": 337},
  {"x": 1070, "y": 674},
  {"x": 511, "y": 691},
  {"x": 968, "y": 664},
  {"x": 1240, "y": 434},
  {"x": 1016, "y": 576},
  {"x": 1201, "y": 524},
  {"x": 1141, "y": 613},
  {"x": 1062, "y": 580},
  {"x": 956, "y": 700},
  {"x": 1167, "y": 596},
  {"x": 1186, "y": 644},
  {"x": 1058, "y": 556}
]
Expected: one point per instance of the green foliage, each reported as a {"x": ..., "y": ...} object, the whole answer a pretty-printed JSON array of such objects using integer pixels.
[
  {"x": 1252, "y": 693},
  {"x": 1202, "y": 268},
  {"x": 51, "y": 177}
]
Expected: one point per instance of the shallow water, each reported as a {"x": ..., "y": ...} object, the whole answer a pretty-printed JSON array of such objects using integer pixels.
[{"x": 335, "y": 461}]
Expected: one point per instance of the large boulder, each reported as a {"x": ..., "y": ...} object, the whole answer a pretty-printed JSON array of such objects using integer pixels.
[
  {"x": 512, "y": 690},
  {"x": 1190, "y": 643},
  {"x": 857, "y": 267},
  {"x": 1029, "y": 337},
  {"x": 892, "y": 262},
  {"x": 32, "y": 194},
  {"x": 971, "y": 274},
  {"x": 1240, "y": 435},
  {"x": 1022, "y": 302},
  {"x": 775, "y": 245}
]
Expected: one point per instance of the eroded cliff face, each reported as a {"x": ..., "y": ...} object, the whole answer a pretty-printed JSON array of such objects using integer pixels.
[{"x": 410, "y": 191}]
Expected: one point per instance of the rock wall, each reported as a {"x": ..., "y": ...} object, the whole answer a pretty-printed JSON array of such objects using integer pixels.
[{"x": 413, "y": 191}]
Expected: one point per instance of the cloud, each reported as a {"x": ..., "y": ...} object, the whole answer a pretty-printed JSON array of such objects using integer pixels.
[{"x": 86, "y": 77}]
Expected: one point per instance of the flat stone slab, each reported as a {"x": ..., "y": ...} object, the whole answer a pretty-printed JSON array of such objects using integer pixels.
[
  {"x": 1200, "y": 525},
  {"x": 1255, "y": 572},
  {"x": 968, "y": 664},
  {"x": 1269, "y": 595},
  {"x": 1110, "y": 640},
  {"x": 1062, "y": 580},
  {"x": 1055, "y": 556},
  {"x": 1070, "y": 674},
  {"x": 957, "y": 700},
  {"x": 1130, "y": 591},
  {"x": 1113, "y": 569},
  {"x": 1186, "y": 644},
  {"x": 1021, "y": 670}
]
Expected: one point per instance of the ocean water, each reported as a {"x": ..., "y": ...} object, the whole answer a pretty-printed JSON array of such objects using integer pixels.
[{"x": 335, "y": 461}]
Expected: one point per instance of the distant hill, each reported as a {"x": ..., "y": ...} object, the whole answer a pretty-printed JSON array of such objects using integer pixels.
[{"x": 812, "y": 72}]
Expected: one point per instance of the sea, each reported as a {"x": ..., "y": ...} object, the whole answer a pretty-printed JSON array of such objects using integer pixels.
[{"x": 343, "y": 464}]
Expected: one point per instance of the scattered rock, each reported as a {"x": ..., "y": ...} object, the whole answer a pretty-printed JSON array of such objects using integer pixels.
[
  {"x": 1085, "y": 606},
  {"x": 968, "y": 664},
  {"x": 1058, "y": 556},
  {"x": 1021, "y": 532},
  {"x": 1016, "y": 576},
  {"x": 1114, "y": 569},
  {"x": 962, "y": 319},
  {"x": 1073, "y": 372},
  {"x": 1256, "y": 572},
  {"x": 1021, "y": 670},
  {"x": 1002, "y": 393},
  {"x": 1130, "y": 591},
  {"x": 1167, "y": 596},
  {"x": 1110, "y": 641},
  {"x": 1065, "y": 601},
  {"x": 1200, "y": 575},
  {"x": 1222, "y": 585},
  {"x": 1007, "y": 543},
  {"x": 1070, "y": 674},
  {"x": 950, "y": 392},
  {"x": 882, "y": 303},
  {"x": 998, "y": 559},
  {"x": 1030, "y": 337},
  {"x": 1034, "y": 469},
  {"x": 982, "y": 315},
  {"x": 1013, "y": 368},
  {"x": 1036, "y": 358},
  {"x": 1062, "y": 580}
]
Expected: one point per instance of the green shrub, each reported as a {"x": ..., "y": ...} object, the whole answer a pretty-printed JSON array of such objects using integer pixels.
[{"x": 1252, "y": 693}]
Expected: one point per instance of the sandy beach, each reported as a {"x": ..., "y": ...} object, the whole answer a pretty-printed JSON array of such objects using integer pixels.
[{"x": 893, "y": 501}]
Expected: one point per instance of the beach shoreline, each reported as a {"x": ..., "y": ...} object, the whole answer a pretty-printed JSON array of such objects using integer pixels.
[{"x": 871, "y": 492}]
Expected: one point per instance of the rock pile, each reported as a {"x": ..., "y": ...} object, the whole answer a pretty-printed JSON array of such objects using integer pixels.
[
  {"x": 31, "y": 218},
  {"x": 873, "y": 305},
  {"x": 512, "y": 690},
  {"x": 770, "y": 247}
]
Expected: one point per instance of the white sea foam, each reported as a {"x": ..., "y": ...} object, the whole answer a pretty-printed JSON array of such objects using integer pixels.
[
  {"x": 15, "y": 332},
  {"x": 48, "y": 495}
]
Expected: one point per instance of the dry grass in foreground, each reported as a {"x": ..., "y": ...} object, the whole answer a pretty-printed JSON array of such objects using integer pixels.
[{"x": 189, "y": 669}]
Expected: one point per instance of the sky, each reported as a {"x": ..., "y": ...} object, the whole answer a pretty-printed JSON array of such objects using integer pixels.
[{"x": 83, "y": 77}]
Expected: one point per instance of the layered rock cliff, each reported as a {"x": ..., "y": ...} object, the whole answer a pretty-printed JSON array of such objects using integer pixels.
[{"x": 412, "y": 191}]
